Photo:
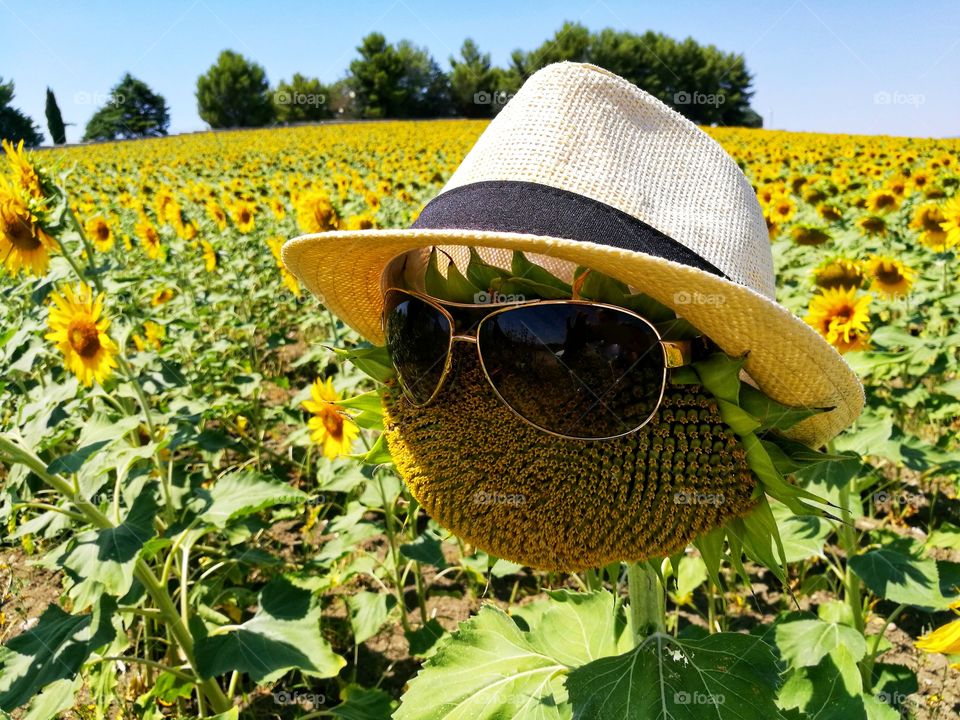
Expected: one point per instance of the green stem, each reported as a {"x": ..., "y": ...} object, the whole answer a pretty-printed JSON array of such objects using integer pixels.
[
  {"x": 647, "y": 607},
  {"x": 158, "y": 593},
  {"x": 870, "y": 660},
  {"x": 88, "y": 247}
]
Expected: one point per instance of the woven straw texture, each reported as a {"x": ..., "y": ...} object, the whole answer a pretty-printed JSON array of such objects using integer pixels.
[{"x": 583, "y": 129}]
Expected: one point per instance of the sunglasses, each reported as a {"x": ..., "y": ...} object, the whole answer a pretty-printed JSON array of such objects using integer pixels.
[{"x": 576, "y": 369}]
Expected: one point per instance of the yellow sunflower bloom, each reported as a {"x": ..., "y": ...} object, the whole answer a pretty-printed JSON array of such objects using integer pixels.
[
  {"x": 244, "y": 216},
  {"x": 945, "y": 639},
  {"x": 315, "y": 213},
  {"x": 782, "y": 209},
  {"x": 928, "y": 218},
  {"x": 838, "y": 273},
  {"x": 890, "y": 276},
  {"x": 150, "y": 239},
  {"x": 25, "y": 176},
  {"x": 872, "y": 225},
  {"x": 80, "y": 333},
  {"x": 951, "y": 223},
  {"x": 209, "y": 256},
  {"x": 329, "y": 426},
  {"x": 841, "y": 317},
  {"x": 23, "y": 242},
  {"x": 163, "y": 296},
  {"x": 100, "y": 233},
  {"x": 153, "y": 335}
]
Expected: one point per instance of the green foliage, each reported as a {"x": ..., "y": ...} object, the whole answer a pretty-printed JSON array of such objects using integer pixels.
[
  {"x": 234, "y": 92},
  {"x": 14, "y": 124},
  {"x": 397, "y": 81},
  {"x": 132, "y": 110},
  {"x": 477, "y": 88},
  {"x": 302, "y": 99},
  {"x": 58, "y": 131},
  {"x": 709, "y": 86}
]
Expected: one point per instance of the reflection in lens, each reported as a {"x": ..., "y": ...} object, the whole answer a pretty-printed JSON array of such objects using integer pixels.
[
  {"x": 583, "y": 371},
  {"x": 418, "y": 339}
]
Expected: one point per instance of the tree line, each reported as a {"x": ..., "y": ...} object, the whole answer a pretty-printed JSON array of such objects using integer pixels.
[{"x": 402, "y": 80}]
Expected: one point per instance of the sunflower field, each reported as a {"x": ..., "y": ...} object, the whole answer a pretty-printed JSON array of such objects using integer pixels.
[{"x": 202, "y": 516}]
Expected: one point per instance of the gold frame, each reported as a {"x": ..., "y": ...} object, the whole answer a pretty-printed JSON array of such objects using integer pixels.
[{"x": 676, "y": 353}]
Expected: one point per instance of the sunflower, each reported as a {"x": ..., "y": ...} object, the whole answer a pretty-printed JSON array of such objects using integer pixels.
[
  {"x": 217, "y": 214},
  {"x": 809, "y": 235},
  {"x": 25, "y": 175},
  {"x": 945, "y": 639},
  {"x": 872, "y": 225},
  {"x": 292, "y": 284},
  {"x": 153, "y": 335},
  {"x": 838, "y": 273},
  {"x": 100, "y": 233},
  {"x": 881, "y": 201},
  {"x": 782, "y": 209},
  {"x": 23, "y": 242},
  {"x": 277, "y": 208},
  {"x": 927, "y": 218},
  {"x": 360, "y": 222},
  {"x": 80, "y": 333},
  {"x": 315, "y": 213},
  {"x": 244, "y": 216},
  {"x": 163, "y": 296},
  {"x": 951, "y": 223},
  {"x": 830, "y": 213},
  {"x": 209, "y": 256},
  {"x": 149, "y": 238},
  {"x": 841, "y": 317},
  {"x": 329, "y": 426},
  {"x": 890, "y": 276}
]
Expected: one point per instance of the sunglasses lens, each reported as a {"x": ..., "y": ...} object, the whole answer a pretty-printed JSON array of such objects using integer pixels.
[
  {"x": 581, "y": 371},
  {"x": 418, "y": 340}
]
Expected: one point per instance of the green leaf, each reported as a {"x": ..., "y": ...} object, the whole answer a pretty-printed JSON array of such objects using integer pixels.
[
  {"x": 489, "y": 668},
  {"x": 691, "y": 574},
  {"x": 727, "y": 675},
  {"x": 240, "y": 494},
  {"x": 54, "y": 649},
  {"x": 522, "y": 268},
  {"x": 424, "y": 640},
  {"x": 379, "y": 454},
  {"x": 720, "y": 375},
  {"x": 360, "y": 703},
  {"x": 577, "y": 628},
  {"x": 459, "y": 289},
  {"x": 481, "y": 273},
  {"x": 427, "y": 548},
  {"x": 373, "y": 360},
  {"x": 901, "y": 578},
  {"x": 830, "y": 691},
  {"x": 103, "y": 560},
  {"x": 368, "y": 613},
  {"x": 803, "y": 536},
  {"x": 772, "y": 414},
  {"x": 283, "y": 635},
  {"x": 804, "y": 643}
]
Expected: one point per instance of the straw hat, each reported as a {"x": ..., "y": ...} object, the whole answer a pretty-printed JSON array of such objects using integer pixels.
[{"x": 583, "y": 168}]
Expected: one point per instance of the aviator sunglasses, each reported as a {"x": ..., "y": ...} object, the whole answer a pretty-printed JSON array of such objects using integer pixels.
[{"x": 577, "y": 369}]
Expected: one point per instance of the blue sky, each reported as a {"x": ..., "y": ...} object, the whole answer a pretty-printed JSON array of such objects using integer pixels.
[{"x": 877, "y": 67}]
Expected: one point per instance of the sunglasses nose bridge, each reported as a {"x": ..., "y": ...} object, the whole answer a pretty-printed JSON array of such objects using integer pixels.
[{"x": 466, "y": 338}]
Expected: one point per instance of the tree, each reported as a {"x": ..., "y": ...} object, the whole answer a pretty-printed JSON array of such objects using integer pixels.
[
  {"x": 234, "y": 92},
  {"x": 707, "y": 85},
  {"x": 132, "y": 110},
  {"x": 14, "y": 125},
  {"x": 397, "y": 81},
  {"x": 473, "y": 82},
  {"x": 58, "y": 131},
  {"x": 303, "y": 99}
]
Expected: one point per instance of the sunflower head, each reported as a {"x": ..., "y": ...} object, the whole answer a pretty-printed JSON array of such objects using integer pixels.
[
  {"x": 553, "y": 503},
  {"x": 100, "y": 233},
  {"x": 838, "y": 273},
  {"x": 809, "y": 235},
  {"x": 24, "y": 244},
  {"x": 889, "y": 276},
  {"x": 315, "y": 213},
  {"x": 329, "y": 426},
  {"x": 79, "y": 331},
  {"x": 841, "y": 317}
]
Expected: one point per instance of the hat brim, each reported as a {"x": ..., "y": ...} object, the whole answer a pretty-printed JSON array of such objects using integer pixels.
[{"x": 786, "y": 358}]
